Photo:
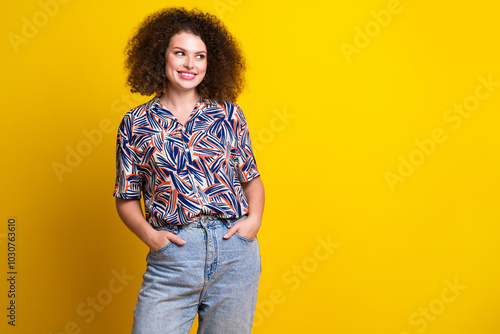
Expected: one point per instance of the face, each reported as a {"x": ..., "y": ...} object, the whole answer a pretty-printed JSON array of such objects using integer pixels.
[{"x": 186, "y": 61}]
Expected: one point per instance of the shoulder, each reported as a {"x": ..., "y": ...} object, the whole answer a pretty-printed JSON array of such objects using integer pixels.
[
  {"x": 231, "y": 109},
  {"x": 134, "y": 117},
  {"x": 142, "y": 109},
  {"x": 139, "y": 111}
]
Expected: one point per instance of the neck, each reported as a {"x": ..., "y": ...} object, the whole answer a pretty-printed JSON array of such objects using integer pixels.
[{"x": 179, "y": 100}]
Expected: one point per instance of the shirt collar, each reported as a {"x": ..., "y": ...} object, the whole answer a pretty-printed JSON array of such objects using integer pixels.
[{"x": 159, "y": 109}]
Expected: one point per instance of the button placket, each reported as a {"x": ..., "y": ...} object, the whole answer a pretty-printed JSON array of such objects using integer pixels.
[{"x": 189, "y": 158}]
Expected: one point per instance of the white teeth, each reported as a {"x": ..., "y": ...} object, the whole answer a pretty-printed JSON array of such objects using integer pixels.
[{"x": 187, "y": 74}]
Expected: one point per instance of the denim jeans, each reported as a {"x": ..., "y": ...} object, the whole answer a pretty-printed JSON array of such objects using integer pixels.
[{"x": 209, "y": 276}]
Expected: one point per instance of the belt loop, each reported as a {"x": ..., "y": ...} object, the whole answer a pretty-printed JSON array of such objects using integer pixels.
[{"x": 175, "y": 229}]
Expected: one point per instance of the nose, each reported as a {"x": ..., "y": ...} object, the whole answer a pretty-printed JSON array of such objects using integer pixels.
[{"x": 188, "y": 63}]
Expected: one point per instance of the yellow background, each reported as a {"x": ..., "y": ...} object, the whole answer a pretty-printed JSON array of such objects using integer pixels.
[{"x": 327, "y": 129}]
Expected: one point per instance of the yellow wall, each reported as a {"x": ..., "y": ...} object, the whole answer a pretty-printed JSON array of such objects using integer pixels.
[{"x": 374, "y": 128}]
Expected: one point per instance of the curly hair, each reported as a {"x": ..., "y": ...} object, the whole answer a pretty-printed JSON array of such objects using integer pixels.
[{"x": 145, "y": 53}]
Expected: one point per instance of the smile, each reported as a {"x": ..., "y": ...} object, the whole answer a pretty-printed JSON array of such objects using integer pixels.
[{"x": 187, "y": 75}]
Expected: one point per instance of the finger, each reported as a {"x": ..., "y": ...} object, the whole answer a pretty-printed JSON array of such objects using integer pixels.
[
  {"x": 175, "y": 239},
  {"x": 231, "y": 231}
]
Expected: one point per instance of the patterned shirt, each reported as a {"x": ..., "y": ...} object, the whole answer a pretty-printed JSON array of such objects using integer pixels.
[{"x": 185, "y": 170}]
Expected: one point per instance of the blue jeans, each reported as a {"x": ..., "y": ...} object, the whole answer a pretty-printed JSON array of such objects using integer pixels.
[{"x": 209, "y": 276}]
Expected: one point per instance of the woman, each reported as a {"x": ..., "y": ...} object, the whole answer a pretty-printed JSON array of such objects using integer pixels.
[{"x": 188, "y": 152}]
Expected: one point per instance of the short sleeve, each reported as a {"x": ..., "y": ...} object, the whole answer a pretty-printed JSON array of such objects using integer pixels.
[
  {"x": 247, "y": 166},
  {"x": 128, "y": 181}
]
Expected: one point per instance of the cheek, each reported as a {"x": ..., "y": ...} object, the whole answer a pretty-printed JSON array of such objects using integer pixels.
[
  {"x": 171, "y": 66},
  {"x": 171, "y": 63},
  {"x": 203, "y": 67}
]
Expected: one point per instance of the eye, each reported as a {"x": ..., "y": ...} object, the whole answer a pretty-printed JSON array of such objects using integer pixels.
[
  {"x": 201, "y": 56},
  {"x": 179, "y": 53}
]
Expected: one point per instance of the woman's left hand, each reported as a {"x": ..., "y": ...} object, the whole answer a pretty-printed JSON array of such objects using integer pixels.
[{"x": 246, "y": 228}]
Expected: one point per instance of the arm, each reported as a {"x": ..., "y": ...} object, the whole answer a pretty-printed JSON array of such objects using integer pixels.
[
  {"x": 130, "y": 213},
  {"x": 248, "y": 228}
]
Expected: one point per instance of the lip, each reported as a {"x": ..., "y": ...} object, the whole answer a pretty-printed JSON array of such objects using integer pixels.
[{"x": 185, "y": 77}]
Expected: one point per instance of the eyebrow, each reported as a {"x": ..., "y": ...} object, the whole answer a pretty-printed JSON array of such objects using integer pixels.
[{"x": 178, "y": 47}]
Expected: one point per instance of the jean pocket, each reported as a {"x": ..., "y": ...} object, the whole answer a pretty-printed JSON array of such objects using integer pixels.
[
  {"x": 239, "y": 236},
  {"x": 162, "y": 249}
]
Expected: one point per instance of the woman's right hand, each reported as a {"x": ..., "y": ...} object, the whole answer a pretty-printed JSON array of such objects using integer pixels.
[
  {"x": 131, "y": 214},
  {"x": 160, "y": 239}
]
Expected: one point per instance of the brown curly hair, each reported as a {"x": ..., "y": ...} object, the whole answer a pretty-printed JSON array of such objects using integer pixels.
[{"x": 145, "y": 53}]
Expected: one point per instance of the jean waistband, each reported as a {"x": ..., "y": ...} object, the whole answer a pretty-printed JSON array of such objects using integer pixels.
[{"x": 202, "y": 220}]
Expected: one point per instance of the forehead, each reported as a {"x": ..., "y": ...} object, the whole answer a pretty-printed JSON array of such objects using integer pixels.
[{"x": 187, "y": 41}]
